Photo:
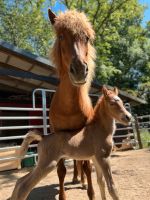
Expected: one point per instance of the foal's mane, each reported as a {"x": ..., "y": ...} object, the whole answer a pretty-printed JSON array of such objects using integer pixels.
[
  {"x": 78, "y": 25},
  {"x": 97, "y": 106}
]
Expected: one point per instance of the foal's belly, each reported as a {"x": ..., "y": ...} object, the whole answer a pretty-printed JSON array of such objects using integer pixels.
[
  {"x": 79, "y": 155},
  {"x": 79, "y": 146}
]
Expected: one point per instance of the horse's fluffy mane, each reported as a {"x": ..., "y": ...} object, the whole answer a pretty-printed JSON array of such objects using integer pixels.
[{"x": 77, "y": 24}]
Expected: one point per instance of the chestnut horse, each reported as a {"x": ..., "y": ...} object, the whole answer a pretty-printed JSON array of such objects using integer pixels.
[
  {"x": 73, "y": 55},
  {"x": 94, "y": 142}
]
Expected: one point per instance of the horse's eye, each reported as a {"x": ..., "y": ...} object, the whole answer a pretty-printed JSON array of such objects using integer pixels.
[
  {"x": 87, "y": 39},
  {"x": 61, "y": 37}
]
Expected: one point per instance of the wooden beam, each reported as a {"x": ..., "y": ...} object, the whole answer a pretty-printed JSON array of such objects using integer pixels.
[
  {"x": 18, "y": 82},
  {"x": 4, "y": 87},
  {"x": 25, "y": 55},
  {"x": 8, "y": 70}
]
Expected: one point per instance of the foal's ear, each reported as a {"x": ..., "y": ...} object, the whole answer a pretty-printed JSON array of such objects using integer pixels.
[
  {"x": 51, "y": 16},
  {"x": 116, "y": 91},
  {"x": 105, "y": 91}
]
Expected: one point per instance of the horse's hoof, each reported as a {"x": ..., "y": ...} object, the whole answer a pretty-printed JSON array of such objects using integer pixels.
[
  {"x": 84, "y": 186},
  {"x": 62, "y": 197},
  {"x": 75, "y": 181}
]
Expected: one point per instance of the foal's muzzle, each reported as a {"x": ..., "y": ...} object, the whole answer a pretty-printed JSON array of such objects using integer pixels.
[
  {"x": 78, "y": 72},
  {"x": 127, "y": 119}
]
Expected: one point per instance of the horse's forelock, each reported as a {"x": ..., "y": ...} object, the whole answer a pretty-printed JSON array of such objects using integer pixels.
[{"x": 75, "y": 22}]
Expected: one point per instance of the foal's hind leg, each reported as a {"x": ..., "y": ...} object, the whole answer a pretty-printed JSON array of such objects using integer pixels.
[
  {"x": 25, "y": 184},
  {"x": 88, "y": 171},
  {"x": 61, "y": 171}
]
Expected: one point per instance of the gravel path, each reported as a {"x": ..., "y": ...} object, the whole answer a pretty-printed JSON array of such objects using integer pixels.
[{"x": 131, "y": 172}]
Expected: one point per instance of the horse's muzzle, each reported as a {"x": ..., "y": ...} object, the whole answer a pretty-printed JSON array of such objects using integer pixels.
[{"x": 78, "y": 72}]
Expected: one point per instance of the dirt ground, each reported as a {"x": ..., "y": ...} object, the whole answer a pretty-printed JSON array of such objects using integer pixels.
[{"x": 131, "y": 172}]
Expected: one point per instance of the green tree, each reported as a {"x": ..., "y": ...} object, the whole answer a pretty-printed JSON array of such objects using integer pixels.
[
  {"x": 122, "y": 44},
  {"x": 23, "y": 23},
  {"x": 111, "y": 20}
]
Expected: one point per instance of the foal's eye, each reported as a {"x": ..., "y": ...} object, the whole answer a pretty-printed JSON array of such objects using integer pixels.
[
  {"x": 61, "y": 37},
  {"x": 112, "y": 103}
]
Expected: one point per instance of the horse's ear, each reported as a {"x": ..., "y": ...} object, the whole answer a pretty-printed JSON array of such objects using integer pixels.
[
  {"x": 51, "y": 16},
  {"x": 116, "y": 91},
  {"x": 105, "y": 91}
]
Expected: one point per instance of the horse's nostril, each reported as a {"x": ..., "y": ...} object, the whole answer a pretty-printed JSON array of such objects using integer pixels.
[
  {"x": 72, "y": 69},
  {"x": 86, "y": 69}
]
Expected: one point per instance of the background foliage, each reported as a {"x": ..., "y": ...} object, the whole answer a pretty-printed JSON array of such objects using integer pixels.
[
  {"x": 122, "y": 43},
  {"x": 23, "y": 24}
]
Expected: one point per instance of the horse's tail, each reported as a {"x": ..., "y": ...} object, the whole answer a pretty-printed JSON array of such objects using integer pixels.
[{"x": 31, "y": 136}]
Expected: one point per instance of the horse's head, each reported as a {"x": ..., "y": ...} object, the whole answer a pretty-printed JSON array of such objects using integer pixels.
[
  {"x": 115, "y": 107},
  {"x": 74, "y": 33}
]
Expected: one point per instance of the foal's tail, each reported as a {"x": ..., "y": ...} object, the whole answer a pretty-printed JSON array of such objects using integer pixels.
[{"x": 31, "y": 136}]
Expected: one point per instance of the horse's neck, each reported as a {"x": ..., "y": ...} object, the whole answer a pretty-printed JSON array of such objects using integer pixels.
[
  {"x": 74, "y": 97},
  {"x": 103, "y": 120}
]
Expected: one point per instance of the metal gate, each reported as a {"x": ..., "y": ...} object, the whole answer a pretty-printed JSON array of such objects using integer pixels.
[{"x": 44, "y": 125}]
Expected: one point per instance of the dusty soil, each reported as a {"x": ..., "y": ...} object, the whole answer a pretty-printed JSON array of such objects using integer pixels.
[{"x": 131, "y": 172}]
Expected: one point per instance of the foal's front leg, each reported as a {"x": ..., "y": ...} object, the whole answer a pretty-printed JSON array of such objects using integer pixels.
[
  {"x": 88, "y": 171},
  {"x": 100, "y": 179},
  {"x": 103, "y": 162}
]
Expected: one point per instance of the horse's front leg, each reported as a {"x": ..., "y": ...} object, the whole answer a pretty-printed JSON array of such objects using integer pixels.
[
  {"x": 61, "y": 171},
  {"x": 104, "y": 163},
  {"x": 83, "y": 177},
  {"x": 75, "y": 173},
  {"x": 88, "y": 171}
]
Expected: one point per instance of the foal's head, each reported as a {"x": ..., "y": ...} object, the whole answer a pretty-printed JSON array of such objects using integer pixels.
[
  {"x": 114, "y": 106},
  {"x": 72, "y": 52}
]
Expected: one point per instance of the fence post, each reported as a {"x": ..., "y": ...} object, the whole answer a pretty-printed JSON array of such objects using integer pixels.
[{"x": 138, "y": 132}]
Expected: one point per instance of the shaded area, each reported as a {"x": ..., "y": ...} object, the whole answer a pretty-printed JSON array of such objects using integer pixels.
[
  {"x": 8, "y": 178},
  {"x": 47, "y": 192}
]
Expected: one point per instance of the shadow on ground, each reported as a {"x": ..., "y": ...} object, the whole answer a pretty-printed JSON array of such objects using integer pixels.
[
  {"x": 48, "y": 192},
  {"x": 10, "y": 177}
]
